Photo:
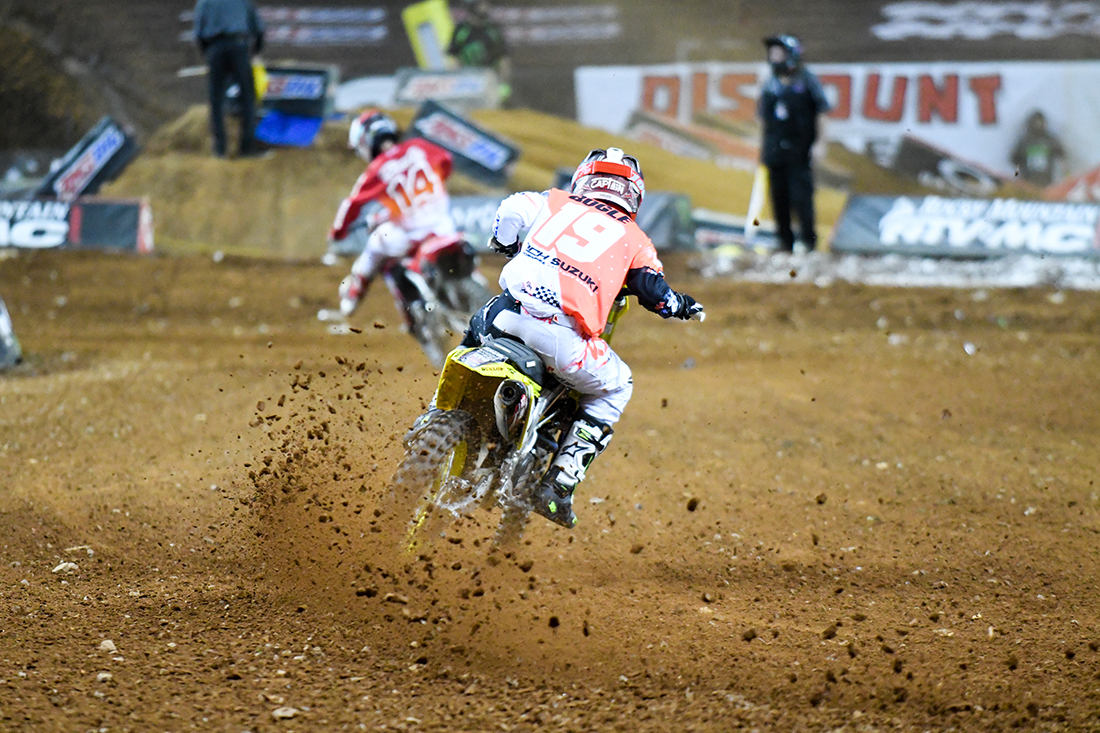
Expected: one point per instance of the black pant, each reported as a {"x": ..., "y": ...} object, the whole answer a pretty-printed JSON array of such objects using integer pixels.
[
  {"x": 227, "y": 59},
  {"x": 792, "y": 184}
]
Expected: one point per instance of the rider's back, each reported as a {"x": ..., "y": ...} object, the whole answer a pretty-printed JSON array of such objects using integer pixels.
[
  {"x": 575, "y": 258},
  {"x": 409, "y": 181}
]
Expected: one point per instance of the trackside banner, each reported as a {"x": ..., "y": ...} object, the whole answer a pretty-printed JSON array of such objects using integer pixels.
[
  {"x": 125, "y": 225},
  {"x": 461, "y": 88},
  {"x": 300, "y": 90},
  {"x": 97, "y": 159},
  {"x": 313, "y": 26},
  {"x": 949, "y": 227},
  {"x": 973, "y": 111},
  {"x": 478, "y": 153}
]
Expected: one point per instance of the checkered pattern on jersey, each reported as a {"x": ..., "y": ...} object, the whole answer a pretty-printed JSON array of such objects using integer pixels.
[{"x": 544, "y": 294}]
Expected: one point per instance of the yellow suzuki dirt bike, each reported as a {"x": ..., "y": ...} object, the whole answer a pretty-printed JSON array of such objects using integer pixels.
[{"x": 493, "y": 428}]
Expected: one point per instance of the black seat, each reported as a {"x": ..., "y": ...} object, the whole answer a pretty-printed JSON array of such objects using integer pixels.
[{"x": 520, "y": 355}]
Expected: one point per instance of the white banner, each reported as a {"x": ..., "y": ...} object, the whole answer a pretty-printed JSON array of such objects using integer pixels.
[
  {"x": 976, "y": 111},
  {"x": 561, "y": 24},
  {"x": 1038, "y": 20},
  {"x": 947, "y": 227},
  {"x": 297, "y": 26}
]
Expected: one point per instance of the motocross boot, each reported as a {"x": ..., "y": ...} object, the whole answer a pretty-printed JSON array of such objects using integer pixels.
[
  {"x": 352, "y": 288},
  {"x": 585, "y": 440}
]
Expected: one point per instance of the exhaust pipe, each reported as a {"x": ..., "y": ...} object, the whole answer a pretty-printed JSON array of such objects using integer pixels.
[
  {"x": 510, "y": 404},
  {"x": 510, "y": 393}
]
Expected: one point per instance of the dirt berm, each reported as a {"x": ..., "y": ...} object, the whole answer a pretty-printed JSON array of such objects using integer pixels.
[{"x": 283, "y": 205}]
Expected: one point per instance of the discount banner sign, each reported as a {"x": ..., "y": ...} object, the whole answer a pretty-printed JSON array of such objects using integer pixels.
[{"x": 973, "y": 111}]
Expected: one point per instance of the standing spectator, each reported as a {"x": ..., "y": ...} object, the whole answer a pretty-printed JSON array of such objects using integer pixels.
[
  {"x": 478, "y": 42},
  {"x": 10, "y": 353},
  {"x": 1039, "y": 155},
  {"x": 225, "y": 30},
  {"x": 789, "y": 107}
]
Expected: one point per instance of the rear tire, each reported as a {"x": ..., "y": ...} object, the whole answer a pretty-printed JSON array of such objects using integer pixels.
[
  {"x": 429, "y": 328},
  {"x": 468, "y": 294}
]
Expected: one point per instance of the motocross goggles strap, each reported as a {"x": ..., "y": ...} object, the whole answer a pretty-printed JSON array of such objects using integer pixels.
[{"x": 628, "y": 169}]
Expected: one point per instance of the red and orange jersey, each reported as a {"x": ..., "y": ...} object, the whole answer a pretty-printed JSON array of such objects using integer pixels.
[
  {"x": 575, "y": 258},
  {"x": 408, "y": 180}
]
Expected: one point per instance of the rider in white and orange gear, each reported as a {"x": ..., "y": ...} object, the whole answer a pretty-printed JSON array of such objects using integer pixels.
[
  {"x": 407, "y": 180},
  {"x": 581, "y": 250}
]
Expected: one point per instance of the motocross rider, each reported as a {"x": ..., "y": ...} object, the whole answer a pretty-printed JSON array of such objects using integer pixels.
[
  {"x": 581, "y": 250},
  {"x": 407, "y": 179}
]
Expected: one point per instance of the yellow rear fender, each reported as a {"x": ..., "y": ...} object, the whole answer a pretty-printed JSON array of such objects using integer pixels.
[{"x": 466, "y": 366}]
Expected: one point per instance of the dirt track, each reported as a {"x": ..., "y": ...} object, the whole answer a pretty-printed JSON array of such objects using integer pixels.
[{"x": 812, "y": 518}]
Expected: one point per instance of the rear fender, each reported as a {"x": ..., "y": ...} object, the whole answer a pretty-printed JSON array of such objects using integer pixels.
[{"x": 467, "y": 367}]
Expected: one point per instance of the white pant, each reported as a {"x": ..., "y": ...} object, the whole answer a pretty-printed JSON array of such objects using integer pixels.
[
  {"x": 587, "y": 365},
  {"x": 385, "y": 242}
]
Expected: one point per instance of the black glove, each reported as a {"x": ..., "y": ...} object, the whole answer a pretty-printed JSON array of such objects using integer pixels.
[
  {"x": 679, "y": 305},
  {"x": 509, "y": 250}
]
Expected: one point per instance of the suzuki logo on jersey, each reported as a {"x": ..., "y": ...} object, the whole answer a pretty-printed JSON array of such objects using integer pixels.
[
  {"x": 575, "y": 272},
  {"x": 544, "y": 258}
]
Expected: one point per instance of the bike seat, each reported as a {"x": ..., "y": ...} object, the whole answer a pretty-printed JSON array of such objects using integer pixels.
[{"x": 520, "y": 355}]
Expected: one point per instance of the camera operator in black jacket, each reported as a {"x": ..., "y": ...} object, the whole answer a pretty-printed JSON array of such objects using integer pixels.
[{"x": 789, "y": 106}]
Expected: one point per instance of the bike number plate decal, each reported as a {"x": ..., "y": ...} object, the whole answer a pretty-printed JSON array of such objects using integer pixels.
[{"x": 478, "y": 358}]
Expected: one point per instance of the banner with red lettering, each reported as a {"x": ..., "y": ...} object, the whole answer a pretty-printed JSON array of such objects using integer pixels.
[{"x": 975, "y": 111}]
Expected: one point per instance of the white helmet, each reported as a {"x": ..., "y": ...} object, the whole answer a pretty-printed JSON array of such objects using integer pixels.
[
  {"x": 611, "y": 176},
  {"x": 369, "y": 130}
]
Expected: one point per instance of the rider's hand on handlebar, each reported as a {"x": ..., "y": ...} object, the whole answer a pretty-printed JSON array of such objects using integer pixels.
[
  {"x": 682, "y": 306},
  {"x": 509, "y": 250}
]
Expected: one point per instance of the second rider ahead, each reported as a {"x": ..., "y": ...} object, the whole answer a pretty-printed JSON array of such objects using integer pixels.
[{"x": 407, "y": 179}]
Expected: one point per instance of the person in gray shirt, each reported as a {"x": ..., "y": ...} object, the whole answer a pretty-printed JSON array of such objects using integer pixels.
[{"x": 227, "y": 32}]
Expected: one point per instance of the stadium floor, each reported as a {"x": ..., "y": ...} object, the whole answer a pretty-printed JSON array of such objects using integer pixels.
[{"x": 841, "y": 507}]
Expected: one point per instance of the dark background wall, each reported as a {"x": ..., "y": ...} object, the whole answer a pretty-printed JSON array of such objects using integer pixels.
[{"x": 122, "y": 56}]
